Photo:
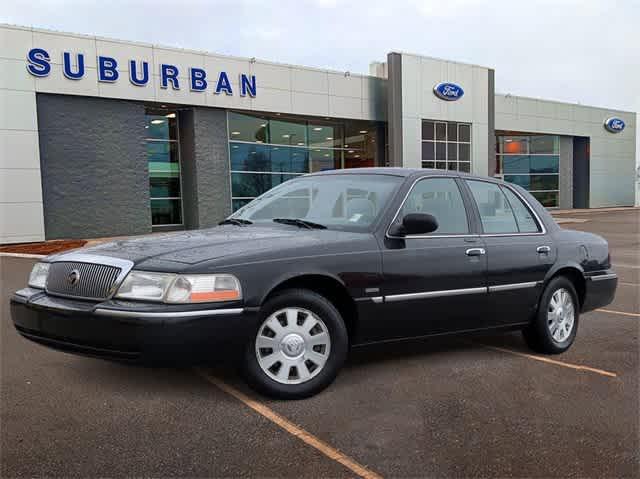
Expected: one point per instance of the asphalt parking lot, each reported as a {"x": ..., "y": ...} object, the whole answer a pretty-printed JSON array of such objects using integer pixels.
[{"x": 454, "y": 407}]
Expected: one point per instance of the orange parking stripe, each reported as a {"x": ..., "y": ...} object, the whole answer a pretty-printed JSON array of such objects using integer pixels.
[
  {"x": 624, "y": 313},
  {"x": 543, "y": 359},
  {"x": 291, "y": 428}
]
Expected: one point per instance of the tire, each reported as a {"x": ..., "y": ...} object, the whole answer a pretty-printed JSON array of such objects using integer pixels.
[
  {"x": 551, "y": 333},
  {"x": 310, "y": 331}
]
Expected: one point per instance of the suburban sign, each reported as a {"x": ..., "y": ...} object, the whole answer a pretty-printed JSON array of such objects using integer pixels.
[
  {"x": 448, "y": 91},
  {"x": 614, "y": 125},
  {"x": 109, "y": 70}
]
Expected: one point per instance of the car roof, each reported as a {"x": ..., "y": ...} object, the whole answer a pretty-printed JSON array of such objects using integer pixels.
[{"x": 394, "y": 171}]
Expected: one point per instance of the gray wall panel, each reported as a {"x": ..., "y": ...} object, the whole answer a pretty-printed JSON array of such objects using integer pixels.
[
  {"x": 566, "y": 172},
  {"x": 95, "y": 179},
  {"x": 394, "y": 109},
  {"x": 491, "y": 107},
  {"x": 205, "y": 154}
]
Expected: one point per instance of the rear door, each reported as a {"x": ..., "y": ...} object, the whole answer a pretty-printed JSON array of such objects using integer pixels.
[
  {"x": 519, "y": 251},
  {"x": 434, "y": 283}
]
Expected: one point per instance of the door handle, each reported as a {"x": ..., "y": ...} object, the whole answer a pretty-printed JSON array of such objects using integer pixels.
[
  {"x": 475, "y": 252},
  {"x": 543, "y": 249}
]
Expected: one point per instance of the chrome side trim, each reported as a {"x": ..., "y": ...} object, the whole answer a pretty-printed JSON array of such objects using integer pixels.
[
  {"x": 434, "y": 294},
  {"x": 603, "y": 277},
  {"x": 508, "y": 287},
  {"x": 375, "y": 299},
  {"x": 118, "y": 313}
]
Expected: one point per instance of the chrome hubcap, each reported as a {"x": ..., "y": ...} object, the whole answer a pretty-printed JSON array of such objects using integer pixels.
[
  {"x": 560, "y": 315},
  {"x": 292, "y": 345}
]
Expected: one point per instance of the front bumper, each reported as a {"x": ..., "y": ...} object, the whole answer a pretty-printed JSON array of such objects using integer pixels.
[
  {"x": 600, "y": 290},
  {"x": 132, "y": 331}
]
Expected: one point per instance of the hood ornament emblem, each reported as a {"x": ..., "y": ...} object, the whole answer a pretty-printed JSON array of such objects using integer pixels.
[{"x": 73, "y": 277}]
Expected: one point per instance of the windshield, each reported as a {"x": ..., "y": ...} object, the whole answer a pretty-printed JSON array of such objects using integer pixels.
[{"x": 343, "y": 202}]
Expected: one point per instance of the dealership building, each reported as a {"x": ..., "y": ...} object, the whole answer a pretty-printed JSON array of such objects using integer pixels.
[{"x": 102, "y": 137}]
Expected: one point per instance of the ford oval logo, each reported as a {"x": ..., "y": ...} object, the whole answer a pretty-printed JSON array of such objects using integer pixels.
[
  {"x": 448, "y": 91},
  {"x": 614, "y": 125}
]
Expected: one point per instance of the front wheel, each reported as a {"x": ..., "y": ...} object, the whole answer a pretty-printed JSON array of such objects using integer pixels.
[
  {"x": 555, "y": 326},
  {"x": 299, "y": 346}
]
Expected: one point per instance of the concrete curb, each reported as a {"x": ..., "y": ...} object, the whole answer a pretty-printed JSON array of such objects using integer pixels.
[
  {"x": 21, "y": 255},
  {"x": 594, "y": 210}
]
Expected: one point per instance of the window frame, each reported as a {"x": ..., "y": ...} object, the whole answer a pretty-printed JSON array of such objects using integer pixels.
[
  {"x": 169, "y": 141},
  {"x": 465, "y": 201},
  {"x": 446, "y": 142},
  {"x": 541, "y": 225}
]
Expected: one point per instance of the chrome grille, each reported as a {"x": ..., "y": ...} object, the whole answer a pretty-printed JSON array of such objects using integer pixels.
[{"x": 94, "y": 281}]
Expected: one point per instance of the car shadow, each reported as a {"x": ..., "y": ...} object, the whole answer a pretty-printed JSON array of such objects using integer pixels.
[{"x": 424, "y": 347}]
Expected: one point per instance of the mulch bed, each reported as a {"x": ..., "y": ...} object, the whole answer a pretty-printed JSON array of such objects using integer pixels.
[{"x": 46, "y": 247}]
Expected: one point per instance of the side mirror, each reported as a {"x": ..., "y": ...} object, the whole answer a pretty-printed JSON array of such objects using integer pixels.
[{"x": 415, "y": 224}]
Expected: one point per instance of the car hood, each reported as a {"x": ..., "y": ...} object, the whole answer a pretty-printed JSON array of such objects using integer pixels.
[{"x": 223, "y": 245}]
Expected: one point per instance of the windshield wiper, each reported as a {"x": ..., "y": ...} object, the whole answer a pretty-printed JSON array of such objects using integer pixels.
[
  {"x": 300, "y": 223},
  {"x": 235, "y": 221}
]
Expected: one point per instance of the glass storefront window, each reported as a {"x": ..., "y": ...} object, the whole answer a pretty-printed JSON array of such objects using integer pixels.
[
  {"x": 288, "y": 133},
  {"x": 163, "y": 157},
  {"x": 266, "y": 150},
  {"x": 159, "y": 126},
  {"x": 532, "y": 162},
  {"x": 325, "y": 135},
  {"x": 248, "y": 128},
  {"x": 166, "y": 212},
  {"x": 544, "y": 145},
  {"x": 446, "y": 145}
]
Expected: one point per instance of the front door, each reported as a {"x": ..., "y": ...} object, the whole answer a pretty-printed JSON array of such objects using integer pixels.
[
  {"x": 434, "y": 283},
  {"x": 519, "y": 252}
]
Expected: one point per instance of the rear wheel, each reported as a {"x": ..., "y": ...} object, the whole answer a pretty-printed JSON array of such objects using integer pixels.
[
  {"x": 556, "y": 323},
  {"x": 299, "y": 346}
]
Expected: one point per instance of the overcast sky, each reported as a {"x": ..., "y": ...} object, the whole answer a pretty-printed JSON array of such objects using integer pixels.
[{"x": 584, "y": 51}]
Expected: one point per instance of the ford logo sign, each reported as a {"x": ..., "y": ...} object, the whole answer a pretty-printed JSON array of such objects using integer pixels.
[
  {"x": 614, "y": 125},
  {"x": 448, "y": 91}
]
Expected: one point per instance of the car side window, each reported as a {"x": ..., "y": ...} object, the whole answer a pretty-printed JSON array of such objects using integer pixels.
[
  {"x": 441, "y": 198},
  {"x": 524, "y": 217},
  {"x": 495, "y": 211}
]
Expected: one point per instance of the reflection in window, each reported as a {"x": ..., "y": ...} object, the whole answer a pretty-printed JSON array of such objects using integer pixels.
[
  {"x": 163, "y": 158},
  {"x": 441, "y": 198},
  {"x": 531, "y": 161},
  {"x": 267, "y": 150},
  {"x": 524, "y": 217},
  {"x": 446, "y": 145},
  {"x": 495, "y": 211}
]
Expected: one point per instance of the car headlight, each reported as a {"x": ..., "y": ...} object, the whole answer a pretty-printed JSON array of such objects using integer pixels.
[
  {"x": 38, "y": 275},
  {"x": 180, "y": 288}
]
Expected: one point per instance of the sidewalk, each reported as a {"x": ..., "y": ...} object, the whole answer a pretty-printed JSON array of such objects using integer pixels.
[{"x": 594, "y": 210}]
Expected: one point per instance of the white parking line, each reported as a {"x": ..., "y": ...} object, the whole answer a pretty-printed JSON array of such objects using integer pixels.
[
  {"x": 622, "y": 265},
  {"x": 555, "y": 362},
  {"x": 291, "y": 428},
  {"x": 623, "y": 313}
]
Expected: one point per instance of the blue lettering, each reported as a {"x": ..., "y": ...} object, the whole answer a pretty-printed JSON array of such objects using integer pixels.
[
  {"x": 223, "y": 84},
  {"x": 67, "y": 66},
  {"x": 248, "y": 85},
  {"x": 133, "y": 73},
  {"x": 169, "y": 73},
  {"x": 38, "y": 62},
  {"x": 107, "y": 69},
  {"x": 198, "y": 82}
]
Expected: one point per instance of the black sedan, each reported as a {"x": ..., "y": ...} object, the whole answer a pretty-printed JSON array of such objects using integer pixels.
[{"x": 321, "y": 263}]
